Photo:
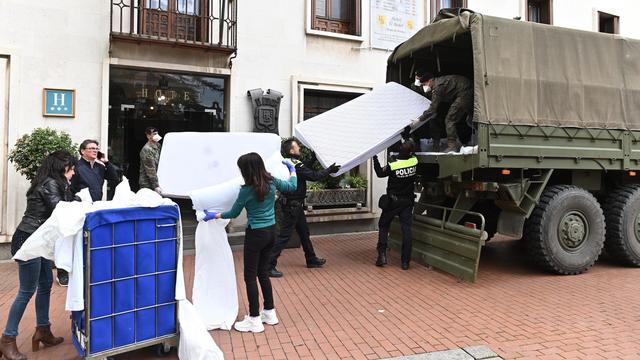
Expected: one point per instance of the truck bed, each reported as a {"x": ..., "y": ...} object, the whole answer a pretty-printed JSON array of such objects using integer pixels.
[{"x": 544, "y": 147}]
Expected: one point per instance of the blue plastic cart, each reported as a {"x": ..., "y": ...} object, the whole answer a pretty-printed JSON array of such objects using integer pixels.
[{"x": 130, "y": 262}]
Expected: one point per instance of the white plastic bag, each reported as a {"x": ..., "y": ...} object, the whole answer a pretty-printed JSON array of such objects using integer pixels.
[
  {"x": 215, "y": 294},
  {"x": 195, "y": 341}
]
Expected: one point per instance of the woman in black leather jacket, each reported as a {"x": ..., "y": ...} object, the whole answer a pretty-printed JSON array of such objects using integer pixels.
[{"x": 50, "y": 186}]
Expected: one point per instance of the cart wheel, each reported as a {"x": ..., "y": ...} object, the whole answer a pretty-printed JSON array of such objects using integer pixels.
[{"x": 163, "y": 350}]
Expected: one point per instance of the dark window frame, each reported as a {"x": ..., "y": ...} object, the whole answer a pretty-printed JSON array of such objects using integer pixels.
[
  {"x": 436, "y": 6},
  {"x": 546, "y": 13},
  {"x": 329, "y": 23},
  {"x": 606, "y": 16}
]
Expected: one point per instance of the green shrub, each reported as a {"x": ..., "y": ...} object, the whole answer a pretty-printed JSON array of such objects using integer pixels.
[
  {"x": 315, "y": 186},
  {"x": 31, "y": 149},
  {"x": 356, "y": 182}
]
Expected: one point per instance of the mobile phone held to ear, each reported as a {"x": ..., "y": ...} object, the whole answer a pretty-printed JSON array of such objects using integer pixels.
[{"x": 100, "y": 155}]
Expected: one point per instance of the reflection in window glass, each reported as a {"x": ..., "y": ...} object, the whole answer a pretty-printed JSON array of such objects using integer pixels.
[
  {"x": 534, "y": 12},
  {"x": 340, "y": 9},
  {"x": 445, "y": 4},
  {"x": 189, "y": 7},
  {"x": 157, "y": 4},
  {"x": 321, "y": 8}
]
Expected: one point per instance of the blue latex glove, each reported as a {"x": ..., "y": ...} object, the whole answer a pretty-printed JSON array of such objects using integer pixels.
[
  {"x": 290, "y": 166},
  {"x": 210, "y": 215}
]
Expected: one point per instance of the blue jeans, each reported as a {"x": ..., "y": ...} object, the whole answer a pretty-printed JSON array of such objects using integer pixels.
[{"x": 34, "y": 274}]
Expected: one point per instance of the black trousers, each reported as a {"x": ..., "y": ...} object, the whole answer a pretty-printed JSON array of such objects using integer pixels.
[
  {"x": 405, "y": 212},
  {"x": 293, "y": 217},
  {"x": 257, "y": 252}
]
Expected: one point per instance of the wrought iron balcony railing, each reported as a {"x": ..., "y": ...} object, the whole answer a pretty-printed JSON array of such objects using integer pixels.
[{"x": 199, "y": 23}]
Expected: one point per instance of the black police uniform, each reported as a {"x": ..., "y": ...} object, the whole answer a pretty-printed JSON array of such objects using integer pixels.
[
  {"x": 400, "y": 190},
  {"x": 292, "y": 204}
]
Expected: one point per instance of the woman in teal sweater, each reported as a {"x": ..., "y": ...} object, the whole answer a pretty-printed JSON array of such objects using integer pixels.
[{"x": 257, "y": 195}]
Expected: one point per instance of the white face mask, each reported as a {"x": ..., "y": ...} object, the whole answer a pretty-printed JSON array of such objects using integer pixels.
[
  {"x": 156, "y": 137},
  {"x": 417, "y": 83},
  {"x": 426, "y": 88}
]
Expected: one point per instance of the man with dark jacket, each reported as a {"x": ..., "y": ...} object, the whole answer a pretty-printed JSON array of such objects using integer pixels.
[
  {"x": 398, "y": 201},
  {"x": 292, "y": 205},
  {"x": 92, "y": 169},
  {"x": 454, "y": 89}
]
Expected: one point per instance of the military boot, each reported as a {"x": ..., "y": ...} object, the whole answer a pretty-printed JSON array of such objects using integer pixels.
[
  {"x": 382, "y": 257},
  {"x": 9, "y": 349},
  {"x": 452, "y": 146}
]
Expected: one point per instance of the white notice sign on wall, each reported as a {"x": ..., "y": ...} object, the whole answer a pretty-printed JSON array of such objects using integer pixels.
[{"x": 393, "y": 22}]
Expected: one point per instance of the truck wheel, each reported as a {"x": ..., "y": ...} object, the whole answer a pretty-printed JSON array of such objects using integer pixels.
[
  {"x": 565, "y": 232},
  {"x": 622, "y": 210}
]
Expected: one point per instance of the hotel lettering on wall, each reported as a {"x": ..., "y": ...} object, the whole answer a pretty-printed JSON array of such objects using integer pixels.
[
  {"x": 266, "y": 107},
  {"x": 58, "y": 102}
]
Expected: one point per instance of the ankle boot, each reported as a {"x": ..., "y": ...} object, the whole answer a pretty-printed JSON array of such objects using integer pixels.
[
  {"x": 382, "y": 258},
  {"x": 452, "y": 146},
  {"x": 9, "y": 349},
  {"x": 43, "y": 335}
]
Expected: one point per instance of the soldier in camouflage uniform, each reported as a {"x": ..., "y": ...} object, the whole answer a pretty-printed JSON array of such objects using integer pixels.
[
  {"x": 454, "y": 89},
  {"x": 149, "y": 158}
]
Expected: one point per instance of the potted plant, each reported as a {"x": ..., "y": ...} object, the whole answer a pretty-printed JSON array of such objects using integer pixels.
[
  {"x": 346, "y": 190},
  {"x": 352, "y": 191},
  {"x": 31, "y": 149}
]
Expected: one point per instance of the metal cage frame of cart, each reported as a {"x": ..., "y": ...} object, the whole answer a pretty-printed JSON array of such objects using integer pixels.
[{"x": 164, "y": 343}]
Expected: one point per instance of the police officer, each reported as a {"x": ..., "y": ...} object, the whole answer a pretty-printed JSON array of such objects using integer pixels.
[
  {"x": 454, "y": 89},
  {"x": 398, "y": 201},
  {"x": 292, "y": 205}
]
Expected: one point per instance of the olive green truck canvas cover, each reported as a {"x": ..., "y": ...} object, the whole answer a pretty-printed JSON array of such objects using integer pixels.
[
  {"x": 533, "y": 74},
  {"x": 548, "y": 101}
]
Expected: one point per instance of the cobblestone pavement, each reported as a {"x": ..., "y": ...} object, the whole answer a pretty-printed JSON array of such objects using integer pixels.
[{"x": 353, "y": 310}]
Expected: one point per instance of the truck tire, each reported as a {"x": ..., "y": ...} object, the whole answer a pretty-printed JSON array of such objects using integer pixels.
[
  {"x": 622, "y": 211},
  {"x": 565, "y": 233}
]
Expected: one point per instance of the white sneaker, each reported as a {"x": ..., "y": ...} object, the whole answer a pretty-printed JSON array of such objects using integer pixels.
[
  {"x": 269, "y": 317},
  {"x": 250, "y": 323}
]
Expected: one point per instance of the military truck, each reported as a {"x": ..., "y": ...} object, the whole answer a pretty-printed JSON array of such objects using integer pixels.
[{"x": 556, "y": 120}]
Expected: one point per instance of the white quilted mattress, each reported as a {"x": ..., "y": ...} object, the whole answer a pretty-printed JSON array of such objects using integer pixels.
[{"x": 350, "y": 134}]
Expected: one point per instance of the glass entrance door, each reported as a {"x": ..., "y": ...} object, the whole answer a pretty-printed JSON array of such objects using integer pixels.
[{"x": 170, "y": 102}]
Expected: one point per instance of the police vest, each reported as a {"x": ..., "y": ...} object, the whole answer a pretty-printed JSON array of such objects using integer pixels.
[{"x": 404, "y": 168}]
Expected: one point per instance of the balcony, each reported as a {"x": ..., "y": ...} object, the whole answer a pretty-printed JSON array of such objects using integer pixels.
[{"x": 207, "y": 24}]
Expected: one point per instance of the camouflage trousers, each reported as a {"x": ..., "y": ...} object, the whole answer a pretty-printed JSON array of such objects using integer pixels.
[{"x": 460, "y": 107}]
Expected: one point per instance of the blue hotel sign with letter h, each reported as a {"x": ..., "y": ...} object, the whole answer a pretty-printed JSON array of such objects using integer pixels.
[{"x": 59, "y": 102}]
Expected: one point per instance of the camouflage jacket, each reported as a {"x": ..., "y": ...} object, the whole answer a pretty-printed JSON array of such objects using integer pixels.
[
  {"x": 447, "y": 89},
  {"x": 149, "y": 158}
]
